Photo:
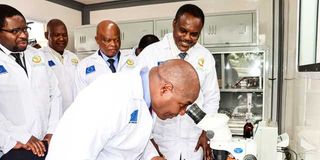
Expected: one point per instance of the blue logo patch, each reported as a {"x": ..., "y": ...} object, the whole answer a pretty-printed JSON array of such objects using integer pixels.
[
  {"x": 90, "y": 69},
  {"x": 51, "y": 63},
  {"x": 238, "y": 150},
  {"x": 134, "y": 117},
  {"x": 160, "y": 62},
  {"x": 3, "y": 70}
]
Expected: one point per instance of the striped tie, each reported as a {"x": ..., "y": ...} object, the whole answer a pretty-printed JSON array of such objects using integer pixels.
[
  {"x": 111, "y": 61},
  {"x": 182, "y": 55}
]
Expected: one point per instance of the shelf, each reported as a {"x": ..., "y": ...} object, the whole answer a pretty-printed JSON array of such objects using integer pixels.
[{"x": 241, "y": 90}]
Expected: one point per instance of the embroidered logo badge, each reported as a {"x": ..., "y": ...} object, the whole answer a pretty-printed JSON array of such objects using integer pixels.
[
  {"x": 134, "y": 117},
  {"x": 130, "y": 63},
  {"x": 36, "y": 59},
  {"x": 74, "y": 61},
  {"x": 51, "y": 63},
  {"x": 201, "y": 62},
  {"x": 90, "y": 69},
  {"x": 3, "y": 70}
]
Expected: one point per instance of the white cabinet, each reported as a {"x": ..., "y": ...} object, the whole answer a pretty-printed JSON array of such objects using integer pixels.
[
  {"x": 163, "y": 27},
  {"x": 236, "y": 29},
  {"x": 132, "y": 32},
  {"x": 85, "y": 38},
  {"x": 242, "y": 80}
]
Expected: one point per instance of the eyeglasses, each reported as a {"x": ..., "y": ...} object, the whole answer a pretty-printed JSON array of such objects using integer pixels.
[{"x": 17, "y": 31}]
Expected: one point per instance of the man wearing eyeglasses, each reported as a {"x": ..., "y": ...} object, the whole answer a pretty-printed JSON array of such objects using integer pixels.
[{"x": 30, "y": 101}]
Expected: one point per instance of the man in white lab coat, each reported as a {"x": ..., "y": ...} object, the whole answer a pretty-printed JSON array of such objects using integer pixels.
[
  {"x": 110, "y": 119},
  {"x": 60, "y": 60},
  {"x": 108, "y": 59},
  {"x": 179, "y": 138},
  {"x": 30, "y": 101}
]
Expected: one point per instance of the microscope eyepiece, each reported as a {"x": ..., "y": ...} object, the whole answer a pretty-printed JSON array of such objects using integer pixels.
[{"x": 195, "y": 113}]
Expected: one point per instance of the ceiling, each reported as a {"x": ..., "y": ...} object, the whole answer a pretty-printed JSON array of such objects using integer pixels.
[
  {"x": 86, "y": 2},
  {"x": 86, "y": 6}
]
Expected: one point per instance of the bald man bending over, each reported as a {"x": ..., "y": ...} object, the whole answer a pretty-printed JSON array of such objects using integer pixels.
[
  {"x": 102, "y": 125},
  {"x": 60, "y": 60},
  {"x": 108, "y": 59}
]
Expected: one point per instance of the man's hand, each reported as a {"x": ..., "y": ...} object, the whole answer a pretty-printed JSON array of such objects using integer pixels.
[
  {"x": 47, "y": 138},
  {"x": 158, "y": 158},
  {"x": 203, "y": 142},
  {"x": 36, "y": 146},
  {"x": 19, "y": 145}
]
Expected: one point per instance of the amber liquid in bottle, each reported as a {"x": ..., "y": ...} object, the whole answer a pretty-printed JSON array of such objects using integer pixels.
[{"x": 248, "y": 130}]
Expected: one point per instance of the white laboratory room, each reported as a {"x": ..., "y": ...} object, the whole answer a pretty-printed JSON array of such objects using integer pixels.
[{"x": 159, "y": 79}]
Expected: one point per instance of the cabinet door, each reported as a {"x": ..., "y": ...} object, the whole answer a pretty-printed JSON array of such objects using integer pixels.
[
  {"x": 163, "y": 27},
  {"x": 242, "y": 86},
  {"x": 230, "y": 30},
  {"x": 132, "y": 32},
  {"x": 85, "y": 38}
]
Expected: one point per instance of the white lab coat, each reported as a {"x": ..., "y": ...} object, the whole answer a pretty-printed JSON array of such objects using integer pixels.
[
  {"x": 180, "y": 135},
  {"x": 127, "y": 61},
  {"x": 109, "y": 120},
  {"x": 132, "y": 51},
  {"x": 29, "y": 105},
  {"x": 64, "y": 72}
]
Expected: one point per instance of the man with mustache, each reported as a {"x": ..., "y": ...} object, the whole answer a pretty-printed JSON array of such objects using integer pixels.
[
  {"x": 179, "y": 138},
  {"x": 30, "y": 100},
  {"x": 60, "y": 60},
  {"x": 111, "y": 120}
]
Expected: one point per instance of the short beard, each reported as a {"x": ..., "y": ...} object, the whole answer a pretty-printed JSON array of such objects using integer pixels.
[{"x": 17, "y": 49}]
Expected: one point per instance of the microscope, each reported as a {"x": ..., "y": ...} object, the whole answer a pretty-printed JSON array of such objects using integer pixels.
[{"x": 224, "y": 146}]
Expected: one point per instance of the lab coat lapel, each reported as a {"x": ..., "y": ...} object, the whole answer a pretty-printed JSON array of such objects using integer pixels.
[
  {"x": 7, "y": 59},
  {"x": 28, "y": 60},
  {"x": 100, "y": 60},
  {"x": 122, "y": 61}
]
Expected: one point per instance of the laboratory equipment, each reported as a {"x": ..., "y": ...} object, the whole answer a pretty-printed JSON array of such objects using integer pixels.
[{"x": 221, "y": 140}]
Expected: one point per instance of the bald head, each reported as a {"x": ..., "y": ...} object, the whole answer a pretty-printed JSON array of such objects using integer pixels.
[
  {"x": 182, "y": 75},
  {"x": 57, "y": 35},
  {"x": 173, "y": 86},
  {"x": 105, "y": 25},
  {"x": 108, "y": 38}
]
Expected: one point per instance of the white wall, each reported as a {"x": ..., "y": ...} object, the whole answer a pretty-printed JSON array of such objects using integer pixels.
[
  {"x": 43, "y": 11},
  {"x": 264, "y": 8},
  {"x": 301, "y": 94}
]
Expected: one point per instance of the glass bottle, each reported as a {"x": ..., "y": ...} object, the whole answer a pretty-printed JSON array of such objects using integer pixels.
[{"x": 248, "y": 129}]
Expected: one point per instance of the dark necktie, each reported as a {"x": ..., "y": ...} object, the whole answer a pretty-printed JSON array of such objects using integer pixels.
[
  {"x": 111, "y": 61},
  {"x": 18, "y": 60},
  {"x": 182, "y": 55}
]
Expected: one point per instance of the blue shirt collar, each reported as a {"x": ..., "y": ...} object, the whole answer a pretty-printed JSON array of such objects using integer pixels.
[
  {"x": 144, "y": 73},
  {"x": 115, "y": 57}
]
